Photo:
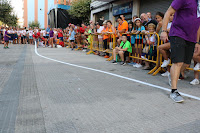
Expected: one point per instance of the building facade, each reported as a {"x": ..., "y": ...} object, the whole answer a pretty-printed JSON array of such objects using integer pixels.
[
  {"x": 112, "y": 9},
  {"x": 36, "y": 10}
]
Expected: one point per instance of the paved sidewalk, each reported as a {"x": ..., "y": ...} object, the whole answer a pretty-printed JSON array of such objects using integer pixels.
[{"x": 42, "y": 96}]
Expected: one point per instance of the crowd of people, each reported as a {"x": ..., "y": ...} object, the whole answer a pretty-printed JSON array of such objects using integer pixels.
[
  {"x": 138, "y": 36},
  {"x": 43, "y": 37}
]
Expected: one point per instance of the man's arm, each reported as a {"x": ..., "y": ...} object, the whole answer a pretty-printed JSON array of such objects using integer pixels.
[
  {"x": 122, "y": 31},
  {"x": 164, "y": 35}
]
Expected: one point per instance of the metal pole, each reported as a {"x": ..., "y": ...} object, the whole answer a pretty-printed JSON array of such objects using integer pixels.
[{"x": 56, "y": 16}]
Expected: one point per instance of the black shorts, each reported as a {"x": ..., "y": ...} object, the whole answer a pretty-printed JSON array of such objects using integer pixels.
[
  {"x": 72, "y": 41},
  {"x": 181, "y": 50},
  {"x": 6, "y": 41},
  {"x": 126, "y": 54}
]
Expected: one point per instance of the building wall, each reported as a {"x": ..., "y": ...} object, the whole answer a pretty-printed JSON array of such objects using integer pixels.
[
  {"x": 36, "y": 10},
  {"x": 98, "y": 6},
  {"x": 41, "y": 12},
  {"x": 31, "y": 11}
]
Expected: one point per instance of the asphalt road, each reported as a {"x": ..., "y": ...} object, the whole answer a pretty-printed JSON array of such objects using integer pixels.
[{"x": 39, "y": 95}]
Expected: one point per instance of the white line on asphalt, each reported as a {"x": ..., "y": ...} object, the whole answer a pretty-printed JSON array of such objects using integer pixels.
[{"x": 116, "y": 75}]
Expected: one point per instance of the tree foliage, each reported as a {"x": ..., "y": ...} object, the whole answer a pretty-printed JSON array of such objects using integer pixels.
[
  {"x": 6, "y": 15},
  {"x": 80, "y": 9},
  {"x": 34, "y": 24}
]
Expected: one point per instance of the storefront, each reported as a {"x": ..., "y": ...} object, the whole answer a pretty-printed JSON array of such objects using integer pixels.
[
  {"x": 101, "y": 14},
  {"x": 154, "y": 6},
  {"x": 123, "y": 9}
]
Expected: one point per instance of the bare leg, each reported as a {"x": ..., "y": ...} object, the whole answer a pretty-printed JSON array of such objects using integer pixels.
[
  {"x": 121, "y": 54},
  {"x": 175, "y": 72},
  {"x": 164, "y": 50}
]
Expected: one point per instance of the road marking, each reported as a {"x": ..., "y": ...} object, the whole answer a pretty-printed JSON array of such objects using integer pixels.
[{"x": 116, "y": 75}]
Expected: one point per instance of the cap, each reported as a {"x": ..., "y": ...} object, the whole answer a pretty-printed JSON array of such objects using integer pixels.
[{"x": 137, "y": 19}]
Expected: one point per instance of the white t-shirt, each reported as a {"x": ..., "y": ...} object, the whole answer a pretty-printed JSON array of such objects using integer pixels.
[
  {"x": 169, "y": 25},
  {"x": 18, "y": 32},
  {"x": 30, "y": 32},
  {"x": 99, "y": 31},
  {"x": 24, "y": 32},
  {"x": 4, "y": 31},
  {"x": 9, "y": 32},
  {"x": 43, "y": 32}
]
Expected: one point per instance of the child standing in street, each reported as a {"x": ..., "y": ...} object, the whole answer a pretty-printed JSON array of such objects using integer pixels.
[
  {"x": 72, "y": 34},
  {"x": 6, "y": 39}
]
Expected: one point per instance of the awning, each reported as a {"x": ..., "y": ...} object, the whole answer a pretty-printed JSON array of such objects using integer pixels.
[{"x": 64, "y": 7}]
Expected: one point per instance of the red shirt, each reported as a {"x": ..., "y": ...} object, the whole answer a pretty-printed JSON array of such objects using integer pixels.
[
  {"x": 38, "y": 34},
  {"x": 60, "y": 34},
  {"x": 35, "y": 36},
  {"x": 82, "y": 30}
]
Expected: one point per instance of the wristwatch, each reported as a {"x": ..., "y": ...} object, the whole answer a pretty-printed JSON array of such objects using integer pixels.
[{"x": 164, "y": 31}]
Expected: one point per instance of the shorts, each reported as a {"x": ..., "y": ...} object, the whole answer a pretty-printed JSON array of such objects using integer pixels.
[
  {"x": 181, "y": 50},
  {"x": 37, "y": 40},
  {"x": 61, "y": 38},
  {"x": 126, "y": 53},
  {"x": 72, "y": 41},
  {"x": 30, "y": 37},
  {"x": 11, "y": 36},
  {"x": 6, "y": 41},
  {"x": 46, "y": 37}
]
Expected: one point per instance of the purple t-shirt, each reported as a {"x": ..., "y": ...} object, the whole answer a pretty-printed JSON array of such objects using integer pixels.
[
  {"x": 5, "y": 37},
  {"x": 185, "y": 23},
  {"x": 51, "y": 33}
]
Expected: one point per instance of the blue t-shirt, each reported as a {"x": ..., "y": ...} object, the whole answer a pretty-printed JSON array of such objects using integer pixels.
[
  {"x": 139, "y": 29},
  {"x": 72, "y": 37},
  {"x": 47, "y": 30}
]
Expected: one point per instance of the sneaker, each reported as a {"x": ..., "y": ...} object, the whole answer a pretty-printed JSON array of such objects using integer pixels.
[
  {"x": 7, "y": 47},
  {"x": 165, "y": 63},
  {"x": 176, "y": 97},
  {"x": 143, "y": 57},
  {"x": 165, "y": 74},
  {"x": 72, "y": 49},
  {"x": 197, "y": 67},
  {"x": 123, "y": 63},
  {"x": 4, "y": 47},
  {"x": 138, "y": 66},
  {"x": 134, "y": 65},
  {"x": 114, "y": 62},
  {"x": 169, "y": 77},
  {"x": 194, "y": 82},
  {"x": 106, "y": 56}
]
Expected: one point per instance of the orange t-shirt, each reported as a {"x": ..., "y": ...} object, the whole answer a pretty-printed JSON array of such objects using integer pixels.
[
  {"x": 105, "y": 36},
  {"x": 110, "y": 30},
  {"x": 123, "y": 26}
]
